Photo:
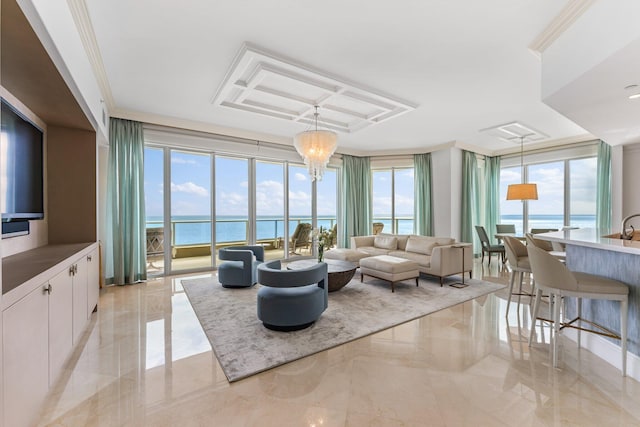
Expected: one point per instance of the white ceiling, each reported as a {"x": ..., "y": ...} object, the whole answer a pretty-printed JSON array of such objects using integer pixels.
[{"x": 465, "y": 64}]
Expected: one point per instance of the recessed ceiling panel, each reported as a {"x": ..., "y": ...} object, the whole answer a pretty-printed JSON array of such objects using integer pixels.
[{"x": 264, "y": 83}]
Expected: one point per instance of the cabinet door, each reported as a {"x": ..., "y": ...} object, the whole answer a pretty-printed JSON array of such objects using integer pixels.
[
  {"x": 60, "y": 323},
  {"x": 93, "y": 281},
  {"x": 25, "y": 358},
  {"x": 80, "y": 314}
]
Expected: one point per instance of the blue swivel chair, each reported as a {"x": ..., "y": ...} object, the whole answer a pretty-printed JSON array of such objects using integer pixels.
[
  {"x": 239, "y": 267},
  {"x": 290, "y": 300}
]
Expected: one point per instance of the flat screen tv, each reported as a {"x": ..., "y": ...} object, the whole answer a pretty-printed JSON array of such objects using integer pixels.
[{"x": 21, "y": 167}]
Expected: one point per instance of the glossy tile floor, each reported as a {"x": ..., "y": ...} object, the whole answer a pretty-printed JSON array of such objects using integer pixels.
[{"x": 145, "y": 361}]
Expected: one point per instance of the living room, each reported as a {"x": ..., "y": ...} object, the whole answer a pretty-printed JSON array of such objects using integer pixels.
[{"x": 143, "y": 359}]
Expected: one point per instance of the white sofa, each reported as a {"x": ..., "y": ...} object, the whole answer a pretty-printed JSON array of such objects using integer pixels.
[{"x": 436, "y": 256}]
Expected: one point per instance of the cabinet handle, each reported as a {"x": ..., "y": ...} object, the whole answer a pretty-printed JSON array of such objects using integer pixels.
[
  {"x": 71, "y": 271},
  {"x": 47, "y": 289},
  {"x": 75, "y": 269},
  {"x": 89, "y": 258}
]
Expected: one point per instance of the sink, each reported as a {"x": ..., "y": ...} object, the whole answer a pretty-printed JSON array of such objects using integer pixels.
[{"x": 636, "y": 235}]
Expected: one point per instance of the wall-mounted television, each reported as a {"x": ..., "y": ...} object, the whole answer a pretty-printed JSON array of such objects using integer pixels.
[{"x": 21, "y": 167}]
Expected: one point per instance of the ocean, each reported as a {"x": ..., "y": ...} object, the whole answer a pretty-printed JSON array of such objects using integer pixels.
[{"x": 195, "y": 230}]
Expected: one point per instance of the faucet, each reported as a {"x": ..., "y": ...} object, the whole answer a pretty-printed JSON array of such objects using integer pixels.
[{"x": 623, "y": 229}]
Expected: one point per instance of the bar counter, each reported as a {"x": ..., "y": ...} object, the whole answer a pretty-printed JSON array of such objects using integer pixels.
[{"x": 589, "y": 251}]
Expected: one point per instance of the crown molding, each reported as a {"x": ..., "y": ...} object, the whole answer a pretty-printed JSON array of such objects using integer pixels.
[
  {"x": 83, "y": 23},
  {"x": 567, "y": 16},
  {"x": 547, "y": 145}
]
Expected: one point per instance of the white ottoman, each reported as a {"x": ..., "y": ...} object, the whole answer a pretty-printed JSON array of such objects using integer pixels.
[
  {"x": 389, "y": 268},
  {"x": 344, "y": 254}
]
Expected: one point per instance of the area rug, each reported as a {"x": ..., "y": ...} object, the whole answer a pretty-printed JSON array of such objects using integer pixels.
[{"x": 244, "y": 347}]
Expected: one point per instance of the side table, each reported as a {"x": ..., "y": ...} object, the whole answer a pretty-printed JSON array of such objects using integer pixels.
[{"x": 460, "y": 284}]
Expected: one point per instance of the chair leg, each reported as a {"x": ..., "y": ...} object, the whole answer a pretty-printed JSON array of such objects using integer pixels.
[
  {"x": 511, "y": 281},
  {"x": 624, "y": 308},
  {"x": 520, "y": 280},
  {"x": 580, "y": 322},
  {"x": 557, "y": 301},
  {"x": 534, "y": 316},
  {"x": 489, "y": 253}
]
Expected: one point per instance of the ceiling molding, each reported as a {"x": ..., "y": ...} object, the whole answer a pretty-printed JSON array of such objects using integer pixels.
[
  {"x": 567, "y": 16},
  {"x": 266, "y": 83},
  {"x": 515, "y": 132},
  {"x": 83, "y": 23},
  {"x": 557, "y": 143}
]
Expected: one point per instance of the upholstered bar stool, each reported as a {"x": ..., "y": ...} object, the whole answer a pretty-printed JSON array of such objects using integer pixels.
[
  {"x": 547, "y": 246},
  {"x": 518, "y": 259},
  {"x": 554, "y": 277}
]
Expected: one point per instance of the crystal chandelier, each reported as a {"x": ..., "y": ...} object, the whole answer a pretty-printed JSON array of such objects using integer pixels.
[
  {"x": 316, "y": 147},
  {"x": 522, "y": 191}
]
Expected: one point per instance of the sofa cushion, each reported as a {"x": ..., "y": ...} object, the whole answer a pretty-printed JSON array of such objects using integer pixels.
[
  {"x": 421, "y": 244},
  {"x": 421, "y": 259},
  {"x": 386, "y": 242},
  {"x": 371, "y": 251},
  {"x": 402, "y": 239}
]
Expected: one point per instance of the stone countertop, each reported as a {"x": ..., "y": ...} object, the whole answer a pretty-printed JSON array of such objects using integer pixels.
[{"x": 592, "y": 238}]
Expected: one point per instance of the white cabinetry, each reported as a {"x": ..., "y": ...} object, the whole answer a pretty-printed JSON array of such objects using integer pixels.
[
  {"x": 25, "y": 362},
  {"x": 45, "y": 310},
  {"x": 93, "y": 281}
]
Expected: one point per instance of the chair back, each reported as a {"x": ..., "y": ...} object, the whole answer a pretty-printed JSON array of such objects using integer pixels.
[
  {"x": 301, "y": 233},
  {"x": 482, "y": 234},
  {"x": 542, "y": 244},
  {"x": 241, "y": 253},
  {"x": 515, "y": 250},
  {"x": 549, "y": 272},
  {"x": 377, "y": 227},
  {"x": 505, "y": 228},
  {"x": 542, "y": 230}
]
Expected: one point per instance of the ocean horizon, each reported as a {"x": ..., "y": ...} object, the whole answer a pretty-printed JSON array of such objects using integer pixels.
[{"x": 196, "y": 229}]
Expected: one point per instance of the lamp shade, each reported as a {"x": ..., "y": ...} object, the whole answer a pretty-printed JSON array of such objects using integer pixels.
[
  {"x": 522, "y": 192},
  {"x": 316, "y": 147}
]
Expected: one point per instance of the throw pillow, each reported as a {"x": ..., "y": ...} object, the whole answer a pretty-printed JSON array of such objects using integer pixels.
[{"x": 386, "y": 242}]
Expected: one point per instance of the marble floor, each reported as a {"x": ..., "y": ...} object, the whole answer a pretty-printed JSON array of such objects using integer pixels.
[{"x": 145, "y": 361}]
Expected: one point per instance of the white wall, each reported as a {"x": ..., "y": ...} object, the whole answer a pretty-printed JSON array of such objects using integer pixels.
[
  {"x": 447, "y": 191},
  {"x": 630, "y": 180}
]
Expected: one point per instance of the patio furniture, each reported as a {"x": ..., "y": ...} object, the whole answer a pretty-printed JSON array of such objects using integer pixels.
[{"x": 301, "y": 237}]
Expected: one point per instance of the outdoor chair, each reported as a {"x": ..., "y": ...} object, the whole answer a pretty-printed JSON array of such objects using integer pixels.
[
  {"x": 301, "y": 237},
  {"x": 377, "y": 227}
]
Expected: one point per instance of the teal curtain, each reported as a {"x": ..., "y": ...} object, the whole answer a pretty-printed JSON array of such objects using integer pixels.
[
  {"x": 470, "y": 210},
  {"x": 356, "y": 198},
  {"x": 423, "y": 195},
  {"x": 603, "y": 190},
  {"x": 492, "y": 195},
  {"x": 125, "y": 248}
]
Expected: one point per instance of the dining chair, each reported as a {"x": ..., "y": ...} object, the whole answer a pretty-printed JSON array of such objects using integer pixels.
[
  {"x": 518, "y": 259},
  {"x": 506, "y": 228},
  {"x": 553, "y": 277},
  {"x": 487, "y": 247}
]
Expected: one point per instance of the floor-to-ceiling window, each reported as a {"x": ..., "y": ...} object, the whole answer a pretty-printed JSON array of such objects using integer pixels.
[
  {"x": 393, "y": 199},
  {"x": 566, "y": 195},
  {"x": 218, "y": 200},
  {"x": 191, "y": 243}
]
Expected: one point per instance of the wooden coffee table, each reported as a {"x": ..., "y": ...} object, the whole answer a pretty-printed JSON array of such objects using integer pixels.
[{"x": 340, "y": 272}]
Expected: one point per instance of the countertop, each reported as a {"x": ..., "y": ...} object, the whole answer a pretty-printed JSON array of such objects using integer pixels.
[{"x": 592, "y": 238}]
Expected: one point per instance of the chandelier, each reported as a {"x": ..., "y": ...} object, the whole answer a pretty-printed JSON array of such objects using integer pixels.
[
  {"x": 522, "y": 191},
  {"x": 316, "y": 147}
]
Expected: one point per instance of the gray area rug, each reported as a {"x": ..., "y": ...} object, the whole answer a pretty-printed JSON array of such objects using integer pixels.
[{"x": 244, "y": 347}]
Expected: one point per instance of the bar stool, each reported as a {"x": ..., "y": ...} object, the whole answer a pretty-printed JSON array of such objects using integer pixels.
[
  {"x": 519, "y": 263},
  {"x": 547, "y": 246},
  {"x": 554, "y": 277}
]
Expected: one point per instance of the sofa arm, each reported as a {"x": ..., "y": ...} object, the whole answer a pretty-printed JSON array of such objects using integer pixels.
[
  {"x": 360, "y": 241},
  {"x": 447, "y": 260}
]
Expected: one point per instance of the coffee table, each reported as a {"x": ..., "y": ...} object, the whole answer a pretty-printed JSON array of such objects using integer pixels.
[{"x": 340, "y": 272}]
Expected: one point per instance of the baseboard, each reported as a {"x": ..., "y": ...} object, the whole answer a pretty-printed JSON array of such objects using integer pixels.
[{"x": 606, "y": 350}]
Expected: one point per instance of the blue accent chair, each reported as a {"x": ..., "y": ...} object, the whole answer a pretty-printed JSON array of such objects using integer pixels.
[
  {"x": 290, "y": 300},
  {"x": 239, "y": 268}
]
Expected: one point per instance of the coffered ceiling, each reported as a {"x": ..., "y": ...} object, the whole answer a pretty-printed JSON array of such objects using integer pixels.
[{"x": 391, "y": 77}]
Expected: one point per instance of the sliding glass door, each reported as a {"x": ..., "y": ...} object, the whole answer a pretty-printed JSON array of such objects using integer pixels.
[
  {"x": 232, "y": 202},
  {"x": 270, "y": 230}
]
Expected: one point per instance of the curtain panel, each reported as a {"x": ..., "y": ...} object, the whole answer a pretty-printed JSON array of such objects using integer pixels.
[
  {"x": 356, "y": 202},
  {"x": 125, "y": 248},
  {"x": 603, "y": 187},
  {"x": 492, "y": 195},
  {"x": 470, "y": 200},
  {"x": 423, "y": 195}
]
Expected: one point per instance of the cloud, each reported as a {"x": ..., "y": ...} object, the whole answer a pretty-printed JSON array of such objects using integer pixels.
[
  {"x": 182, "y": 161},
  {"x": 189, "y": 188},
  {"x": 300, "y": 177}
]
